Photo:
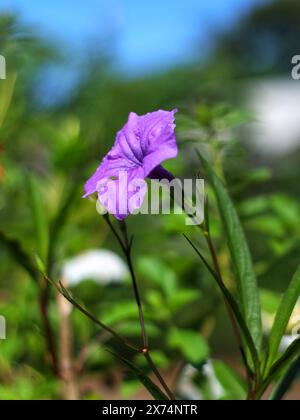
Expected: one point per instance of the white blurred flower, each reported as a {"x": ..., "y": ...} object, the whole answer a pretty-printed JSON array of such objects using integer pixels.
[
  {"x": 286, "y": 341},
  {"x": 275, "y": 104},
  {"x": 185, "y": 387},
  {"x": 188, "y": 390},
  {"x": 102, "y": 266}
]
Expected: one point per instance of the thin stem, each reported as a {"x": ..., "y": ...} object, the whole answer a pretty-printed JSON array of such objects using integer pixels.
[
  {"x": 67, "y": 366},
  {"x": 45, "y": 287},
  {"x": 135, "y": 285},
  {"x": 158, "y": 375},
  {"x": 206, "y": 232},
  {"x": 126, "y": 246},
  {"x": 44, "y": 305},
  {"x": 218, "y": 271},
  {"x": 230, "y": 314},
  {"x": 62, "y": 290}
]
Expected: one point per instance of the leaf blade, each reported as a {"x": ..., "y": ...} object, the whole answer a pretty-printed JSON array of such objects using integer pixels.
[
  {"x": 283, "y": 315},
  {"x": 236, "y": 311},
  {"x": 282, "y": 363},
  {"x": 14, "y": 247},
  {"x": 38, "y": 215},
  {"x": 240, "y": 255},
  {"x": 286, "y": 382},
  {"x": 153, "y": 389}
]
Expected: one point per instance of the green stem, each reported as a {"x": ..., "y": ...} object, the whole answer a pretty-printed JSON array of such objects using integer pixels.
[
  {"x": 126, "y": 246},
  {"x": 235, "y": 328},
  {"x": 205, "y": 231}
]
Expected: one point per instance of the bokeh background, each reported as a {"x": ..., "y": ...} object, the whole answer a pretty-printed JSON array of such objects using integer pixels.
[{"x": 74, "y": 72}]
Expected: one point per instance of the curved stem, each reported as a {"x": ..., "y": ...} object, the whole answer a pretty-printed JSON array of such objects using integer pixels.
[
  {"x": 250, "y": 391},
  {"x": 62, "y": 290},
  {"x": 158, "y": 375},
  {"x": 44, "y": 305},
  {"x": 126, "y": 246}
]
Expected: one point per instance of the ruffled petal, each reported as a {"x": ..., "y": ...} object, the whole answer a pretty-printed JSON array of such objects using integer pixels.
[
  {"x": 124, "y": 195},
  {"x": 113, "y": 163},
  {"x": 140, "y": 147}
]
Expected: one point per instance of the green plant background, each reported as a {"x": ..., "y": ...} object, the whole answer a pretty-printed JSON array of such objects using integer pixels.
[{"x": 48, "y": 153}]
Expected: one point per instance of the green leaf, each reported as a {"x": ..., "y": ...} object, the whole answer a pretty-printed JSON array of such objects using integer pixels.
[
  {"x": 190, "y": 343},
  {"x": 159, "y": 273},
  {"x": 124, "y": 311},
  {"x": 268, "y": 225},
  {"x": 270, "y": 301},
  {"x": 39, "y": 216},
  {"x": 251, "y": 207},
  {"x": 282, "y": 318},
  {"x": 231, "y": 383},
  {"x": 153, "y": 389},
  {"x": 20, "y": 256},
  {"x": 40, "y": 264},
  {"x": 280, "y": 365},
  {"x": 129, "y": 389},
  {"x": 182, "y": 299},
  {"x": 286, "y": 382},
  {"x": 235, "y": 309},
  {"x": 133, "y": 329},
  {"x": 59, "y": 222},
  {"x": 7, "y": 90},
  {"x": 240, "y": 255}
]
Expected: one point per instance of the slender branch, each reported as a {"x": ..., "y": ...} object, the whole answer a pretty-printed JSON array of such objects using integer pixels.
[
  {"x": 126, "y": 246},
  {"x": 230, "y": 314},
  {"x": 67, "y": 367},
  {"x": 158, "y": 375},
  {"x": 206, "y": 232},
  {"x": 290, "y": 354},
  {"x": 218, "y": 272},
  {"x": 44, "y": 304},
  {"x": 62, "y": 290},
  {"x": 45, "y": 288},
  {"x": 135, "y": 284}
]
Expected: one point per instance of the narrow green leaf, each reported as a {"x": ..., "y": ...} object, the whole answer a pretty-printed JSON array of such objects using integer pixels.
[
  {"x": 20, "y": 256},
  {"x": 7, "y": 90},
  {"x": 286, "y": 382},
  {"x": 282, "y": 318},
  {"x": 59, "y": 222},
  {"x": 40, "y": 264},
  {"x": 282, "y": 363},
  {"x": 66, "y": 294},
  {"x": 39, "y": 216},
  {"x": 153, "y": 389},
  {"x": 232, "y": 384},
  {"x": 236, "y": 311},
  {"x": 203, "y": 259},
  {"x": 241, "y": 258},
  {"x": 190, "y": 343}
]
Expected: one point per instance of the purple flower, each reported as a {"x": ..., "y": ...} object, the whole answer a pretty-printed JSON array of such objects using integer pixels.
[{"x": 140, "y": 147}]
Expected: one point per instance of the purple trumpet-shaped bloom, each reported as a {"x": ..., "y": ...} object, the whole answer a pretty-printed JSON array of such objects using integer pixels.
[{"x": 140, "y": 147}]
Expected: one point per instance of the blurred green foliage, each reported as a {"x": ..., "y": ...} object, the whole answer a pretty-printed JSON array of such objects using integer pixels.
[{"x": 48, "y": 153}]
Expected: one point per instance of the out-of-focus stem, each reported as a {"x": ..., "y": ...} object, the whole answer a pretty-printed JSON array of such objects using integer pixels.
[
  {"x": 126, "y": 246},
  {"x": 205, "y": 231},
  {"x": 67, "y": 368},
  {"x": 50, "y": 343},
  {"x": 230, "y": 314},
  {"x": 157, "y": 374}
]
